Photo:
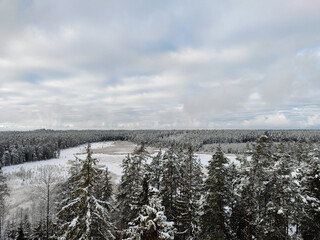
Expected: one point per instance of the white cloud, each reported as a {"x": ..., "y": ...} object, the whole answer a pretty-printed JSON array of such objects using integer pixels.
[
  {"x": 312, "y": 121},
  {"x": 277, "y": 120}
]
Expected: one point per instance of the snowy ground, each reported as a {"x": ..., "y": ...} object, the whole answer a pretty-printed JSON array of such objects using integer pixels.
[{"x": 22, "y": 178}]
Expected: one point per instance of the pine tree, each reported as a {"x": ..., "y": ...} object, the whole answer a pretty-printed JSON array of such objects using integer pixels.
[
  {"x": 6, "y": 158},
  {"x": 85, "y": 216},
  {"x": 38, "y": 232},
  {"x": 152, "y": 223},
  {"x": 103, "y": 188},
  {"x": 11, "y": 230},
  {"x": 124, "y": 193},
  {"x": 169, "y": 185},
  {"x": 156, "y": 170},
  {"x": 3, "y": 193},
  {"x": 26, "y": 225},
  {"x": 66, "y": 190},
  {"x": 190, "y": 190},
  {"x": 280, "y": 190},
  {"x": 310, "y": 222},
  {"x": 131, "y": 195},
  {"x": 237, "y": 216},
  {"x": 20, "y": 233},
  {"x": 253, "y": 185},
  {"x": 216, "y": 199}
]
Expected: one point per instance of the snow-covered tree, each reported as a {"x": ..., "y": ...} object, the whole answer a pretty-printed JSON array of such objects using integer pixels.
[
  {"x": 84, "y": 216},
  {"x": 280, "y": 192},
  {"x": 188, "y": 201},
  {"x": 152, "y": 223},
  {"x": 6, "y": 158},
  {"x": 255, "y": 177},
  {"x": 169, "y": 185},
  {"x": 156, "y": 170},
  {"x": 216, "y": 198},
  {"x": 131, "y": 195},
  {"x": 20, "y": 233},
  {"x": 11, "y": 230},
  {"x": 310, "y": 184},
  {"x": 3, "y": 193},
  {"x": 38, "y": 231},
  {"x": 103, "y": 188}
]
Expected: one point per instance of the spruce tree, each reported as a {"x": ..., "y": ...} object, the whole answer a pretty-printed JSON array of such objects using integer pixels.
[
  {"x": 280, "y": 191},
  {"x": 131, "y": 191},
  {"x": 216, "y": 198},
  {"x": 156, "y": 170},
  {"x": 3, "y": 193},
  {"x": 85, "y": 216},
  {"x": 38, "y": 231},
  {"x": 255, "y": 177},
  {"x": 169, "y": 185},
  {"x": 310, "y": 221},
  {"x": 20, "y": 233},
  {"x": 151, "y": 224},
  {"x": 103, "y": 188},
  {"x": 190, "y": 190},
  {"x": 11, "y": 230}
]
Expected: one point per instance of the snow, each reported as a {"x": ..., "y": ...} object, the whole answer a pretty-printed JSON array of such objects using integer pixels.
[
  {"x": 67, "y": 156},
  {"x": 74, "y": 222},
  {"x": 113, "y": 162},
  {"x": 22, "y": 178},
  {"x": 205, "y": 158},
  {"x": 292, "y": 229},
  {"x": 280, "y": 211}
]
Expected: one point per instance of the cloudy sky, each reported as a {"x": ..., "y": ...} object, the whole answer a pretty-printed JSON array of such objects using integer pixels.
[{"x": 80, "y": 64}]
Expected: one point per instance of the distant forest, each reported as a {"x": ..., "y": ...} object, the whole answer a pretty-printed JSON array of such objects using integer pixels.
[{"x": 18, "y": 147}]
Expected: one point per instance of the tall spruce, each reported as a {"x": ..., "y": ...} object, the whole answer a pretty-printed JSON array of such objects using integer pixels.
[
  {"x": 85, "y": 217},
  {"x": 216, "y": 198},
  {"x": 188, "y": 200},
  {"x": 156, "y": 170},
  {"x": 310, "y": 221},
  {"x": 255, "y": 177},
  {"x": 103, "y": 188},
  {"x": 169, "y": 184},
  {"x": 278, "y": 214},
  {"x": 131, "y": 191},
  {"x": 3, "y": 193}
]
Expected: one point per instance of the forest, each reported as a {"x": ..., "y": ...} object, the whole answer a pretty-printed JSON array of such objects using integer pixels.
[
  {"x": 19, "y": 147},
  {"x": 273, "y": 193}
]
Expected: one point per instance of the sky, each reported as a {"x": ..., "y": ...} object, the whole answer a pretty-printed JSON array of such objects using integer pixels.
[{"x": 78, "y": 64}]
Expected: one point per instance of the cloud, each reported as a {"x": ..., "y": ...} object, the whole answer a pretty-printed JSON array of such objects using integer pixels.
[
  {"x": 312, "y": 121},
  {"x": 277, "y": 120},
  {"x": 181, "y": 64},
  {"x": 224, "y": 97}
]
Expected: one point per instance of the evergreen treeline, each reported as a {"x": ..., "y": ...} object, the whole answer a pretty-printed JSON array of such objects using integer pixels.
[
  {"x": 19, "y": 147},
  {"x": 272, "y": 194}
]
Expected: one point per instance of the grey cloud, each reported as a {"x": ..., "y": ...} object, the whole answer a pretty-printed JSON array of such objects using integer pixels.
[
  {"x": 217, "y": 100},
  {"x": 157, "y": 64}
]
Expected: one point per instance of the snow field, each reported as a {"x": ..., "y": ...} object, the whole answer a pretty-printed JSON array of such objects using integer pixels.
[{"x": 23, "y": 178}]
